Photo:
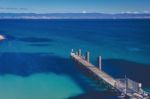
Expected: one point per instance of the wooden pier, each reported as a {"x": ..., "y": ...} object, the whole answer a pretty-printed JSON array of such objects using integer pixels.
[{"x": 121, "y": 85}]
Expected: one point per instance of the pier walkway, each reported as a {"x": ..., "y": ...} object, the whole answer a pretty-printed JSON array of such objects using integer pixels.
[{"x": 126, "y": 86}]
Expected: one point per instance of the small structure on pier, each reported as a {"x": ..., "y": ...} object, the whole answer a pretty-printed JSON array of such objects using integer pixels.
[{"x": 125, "y": 86}]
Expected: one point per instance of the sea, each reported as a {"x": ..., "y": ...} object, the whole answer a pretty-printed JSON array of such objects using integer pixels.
[{"x": 35, "y": 58}]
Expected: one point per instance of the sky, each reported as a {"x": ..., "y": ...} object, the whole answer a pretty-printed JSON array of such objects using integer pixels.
[{"x": 74, "y": 6}]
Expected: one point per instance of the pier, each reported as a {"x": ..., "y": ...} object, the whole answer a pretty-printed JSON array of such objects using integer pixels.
[{"x": 125, "y": 86}]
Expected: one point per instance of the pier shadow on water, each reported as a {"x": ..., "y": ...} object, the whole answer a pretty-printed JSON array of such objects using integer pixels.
[
  {"x": 96, "y": 95},
  {"x": 136, "y": 71},
  {"x": 118, "y": 69}
]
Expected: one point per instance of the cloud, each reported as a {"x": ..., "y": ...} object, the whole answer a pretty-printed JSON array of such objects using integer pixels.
[{"x": 4, "y": 8}]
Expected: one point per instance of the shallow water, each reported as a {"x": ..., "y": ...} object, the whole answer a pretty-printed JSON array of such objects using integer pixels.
[
  {"x": 35, "y": 59},
  {"x": 38, "y": 86}
]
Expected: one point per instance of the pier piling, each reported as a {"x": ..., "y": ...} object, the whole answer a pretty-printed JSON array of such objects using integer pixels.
[
  {"x": 87, "y": 57},
  {"x": 79, "y": 52},
  {"x": 100, "y": 62}
]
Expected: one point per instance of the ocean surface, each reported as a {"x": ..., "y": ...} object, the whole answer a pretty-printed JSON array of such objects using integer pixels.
[{"x": 35, "y": 61}]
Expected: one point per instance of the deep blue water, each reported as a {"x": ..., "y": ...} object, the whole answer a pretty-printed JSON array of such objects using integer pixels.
[{"x": 35, "y": 54}]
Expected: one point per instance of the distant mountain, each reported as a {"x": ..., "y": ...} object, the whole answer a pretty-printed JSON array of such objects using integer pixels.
[{"x": 74, "y": 16}]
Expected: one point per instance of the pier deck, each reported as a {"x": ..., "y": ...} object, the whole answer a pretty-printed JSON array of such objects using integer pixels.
[
  {"x": 95, "y": 70},
  {"x": 125, "y": 86}
]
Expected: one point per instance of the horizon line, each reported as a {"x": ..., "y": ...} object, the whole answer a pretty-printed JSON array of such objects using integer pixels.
[{"x": 76, "y": 13}]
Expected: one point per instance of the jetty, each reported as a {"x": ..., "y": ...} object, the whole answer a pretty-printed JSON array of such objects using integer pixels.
[{"x": 125, "y": 86}]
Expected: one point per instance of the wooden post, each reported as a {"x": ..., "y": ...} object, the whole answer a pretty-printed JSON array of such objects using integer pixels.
[
  {"x": 126, "y": 84},
  {"x": 87, "y": 56},
  {"x": 79, "y": 52},
  {"x": 100, "y": 62}
]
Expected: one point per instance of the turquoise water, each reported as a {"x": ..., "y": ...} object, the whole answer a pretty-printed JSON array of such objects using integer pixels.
[
  {"x": 38, "y": 86},
  {"x": 35, "y": 61}
]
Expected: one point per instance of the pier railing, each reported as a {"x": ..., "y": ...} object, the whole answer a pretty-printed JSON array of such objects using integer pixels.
[{"x": 127, "y": 85}]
